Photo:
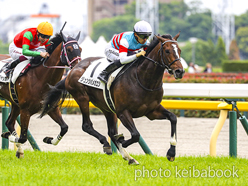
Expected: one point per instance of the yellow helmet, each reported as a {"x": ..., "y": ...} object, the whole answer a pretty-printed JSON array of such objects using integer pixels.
[{"x": 45, "y": 28}]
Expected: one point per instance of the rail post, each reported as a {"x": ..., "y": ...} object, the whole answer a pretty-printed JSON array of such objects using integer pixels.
[
  {"x": 233, "y": 133},
  {"x": 144, "y": 146},
  {"x": 5, "y": 112}
]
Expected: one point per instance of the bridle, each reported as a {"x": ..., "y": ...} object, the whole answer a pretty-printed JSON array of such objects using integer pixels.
[
  {"x": 166, "y": 65},
  {"x": 76, "y": 47},
  {"x": 163, "y": 65},
  {"x": 64, "y": 57}
]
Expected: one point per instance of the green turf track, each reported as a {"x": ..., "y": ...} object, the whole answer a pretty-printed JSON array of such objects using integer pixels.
[{"x": 94, "y": 169}]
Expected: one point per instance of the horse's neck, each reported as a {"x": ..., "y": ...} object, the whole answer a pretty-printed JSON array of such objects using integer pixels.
[
  {"x": 150, "y": 73},
  {"x": 52, "y": 75}
]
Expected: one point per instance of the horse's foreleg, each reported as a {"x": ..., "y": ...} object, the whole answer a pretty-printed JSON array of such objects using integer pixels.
[
  {"x": 55, "y": 114},
  {"x": 127, "y": 121},
  {"x": 118, "y": 139},
  {"x": 25, "y": 117},
  {"x": 162, "y": 113}
]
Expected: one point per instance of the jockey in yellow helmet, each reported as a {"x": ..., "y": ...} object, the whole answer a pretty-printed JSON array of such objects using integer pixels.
[{"x": 25, "y": 44}]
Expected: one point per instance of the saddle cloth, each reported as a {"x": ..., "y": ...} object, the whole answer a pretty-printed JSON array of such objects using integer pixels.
[
  {"x": 90, "y": 78},
  {"x": 18, "y": 69},
  {"x": 95, "y": 68}
]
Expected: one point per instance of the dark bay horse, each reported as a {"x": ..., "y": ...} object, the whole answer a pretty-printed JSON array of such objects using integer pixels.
[
  {"x": 31, "y": 87},
  {"x": 136, "y": 93}
]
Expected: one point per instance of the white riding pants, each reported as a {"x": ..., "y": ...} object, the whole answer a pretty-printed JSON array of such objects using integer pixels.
[
  {"x": 111, "y": 53},
  {"x": 16, "y": 52}
]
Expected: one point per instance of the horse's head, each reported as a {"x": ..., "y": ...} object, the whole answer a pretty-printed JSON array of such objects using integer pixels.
[
  {"x": 170, "y": 55},
  {"x": 70, "y": 51}
]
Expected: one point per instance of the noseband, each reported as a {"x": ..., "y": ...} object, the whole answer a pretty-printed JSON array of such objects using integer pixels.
[
  {"x": 63, "y": 51},
  {"x": 166, "y": 65},
  {"x": 65, "y": 56}
]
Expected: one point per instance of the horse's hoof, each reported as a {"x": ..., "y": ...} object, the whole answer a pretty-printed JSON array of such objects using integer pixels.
[
  {"x": 171, "y": 153},
  {"x": 170, "y": 158},
  {"x": 20, "y": 155},
  {"x": 48, "y": 140},
  {"x": 133, "y": 162},
  {"x": 107, "y": 150},
  {"x": 6, "y": 135}
]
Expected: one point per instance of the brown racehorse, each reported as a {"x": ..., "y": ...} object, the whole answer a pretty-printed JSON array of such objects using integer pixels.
[
  {"x": 31, "y": 87},
  {"x": 136, "y": 93}
]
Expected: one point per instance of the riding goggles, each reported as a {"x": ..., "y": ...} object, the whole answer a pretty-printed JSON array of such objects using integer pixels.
[
  {"x": 143, "y": 36},
  {"x": 44, "y": 36}
]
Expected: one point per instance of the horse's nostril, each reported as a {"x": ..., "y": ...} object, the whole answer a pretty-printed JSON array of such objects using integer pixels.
[{"x": 179, "y": 71}]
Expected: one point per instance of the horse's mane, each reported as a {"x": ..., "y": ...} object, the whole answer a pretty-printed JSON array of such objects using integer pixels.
[
  {"x": 55, "y": 41},
  {"x": 155, "y": 41}
]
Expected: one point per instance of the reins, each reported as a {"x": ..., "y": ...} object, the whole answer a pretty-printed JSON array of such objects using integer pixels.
[
  {"x": 147, "y": 89},
  {"x": 163, "y": 65}
]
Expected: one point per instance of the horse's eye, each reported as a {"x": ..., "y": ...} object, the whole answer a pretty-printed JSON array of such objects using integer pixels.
[{"x": 167, "y": 51}]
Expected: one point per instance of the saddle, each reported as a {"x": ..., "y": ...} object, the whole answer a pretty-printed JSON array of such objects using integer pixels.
[{"x": 33, "y": 63}]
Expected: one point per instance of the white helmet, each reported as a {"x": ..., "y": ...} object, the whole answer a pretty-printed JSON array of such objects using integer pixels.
[{"x": 142, "y": 28}]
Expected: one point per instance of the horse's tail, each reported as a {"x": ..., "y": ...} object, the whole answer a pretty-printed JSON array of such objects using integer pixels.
[{"x": 53, "y": 97}]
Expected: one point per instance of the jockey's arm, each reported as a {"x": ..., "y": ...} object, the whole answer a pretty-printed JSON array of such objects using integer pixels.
[
  {"x": 124, "y": 58},
  {"x": 27, "y": 52},
  {"x": 27, "y": 38}
]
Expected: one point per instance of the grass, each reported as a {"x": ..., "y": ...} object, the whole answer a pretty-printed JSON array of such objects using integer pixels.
[{"x": 78, "y": 168}]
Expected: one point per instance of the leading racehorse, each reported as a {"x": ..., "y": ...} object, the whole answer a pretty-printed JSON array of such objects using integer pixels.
[
  {"x": 31, "y": 87},
  {"x": 135, "y": 93}
]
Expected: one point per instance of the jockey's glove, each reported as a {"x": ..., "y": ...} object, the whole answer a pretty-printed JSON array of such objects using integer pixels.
[{"x": 142, "y": 53}]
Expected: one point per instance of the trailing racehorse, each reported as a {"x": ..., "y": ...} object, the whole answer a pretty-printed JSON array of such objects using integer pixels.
[
  {"x": 135, "y": 93},
  {"x": 31, "y": 87}
]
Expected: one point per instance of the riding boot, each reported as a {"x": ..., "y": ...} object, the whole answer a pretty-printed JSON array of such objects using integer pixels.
[
  {"x": 7, "y": 68},
  {"x": 104, "y": 75}
]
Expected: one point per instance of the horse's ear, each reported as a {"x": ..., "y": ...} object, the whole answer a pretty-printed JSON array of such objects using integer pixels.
[
  {"x": 176, "y": 36},
  {"x": 77, "y": 38},
  {"x": 64, "y": 37},
  {"x": 159, "y": 37}
]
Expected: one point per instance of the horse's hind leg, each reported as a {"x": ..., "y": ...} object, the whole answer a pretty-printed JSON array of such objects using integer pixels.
[
  {"x": 87, "y": 125},
  {"x": 10, "y": 123},
  {"x": 162, "y": 113},
  {"x": 112, "y": 132},
  {"x": 55, "y": 114},
  {"x": 11, "y": 134}
]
